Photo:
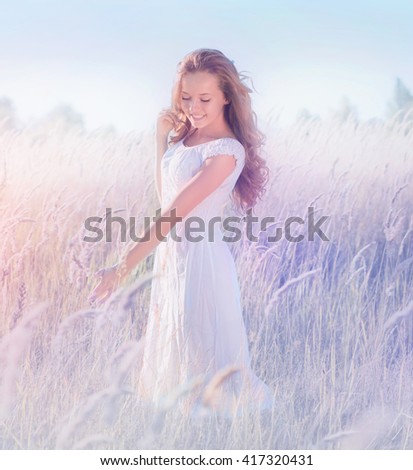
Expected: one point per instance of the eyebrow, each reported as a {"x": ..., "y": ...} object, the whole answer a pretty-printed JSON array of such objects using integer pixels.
[{"x": 200, "y": 93}]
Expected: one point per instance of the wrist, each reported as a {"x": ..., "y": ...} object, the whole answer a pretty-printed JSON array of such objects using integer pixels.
[{"x": 121, "y": 270}]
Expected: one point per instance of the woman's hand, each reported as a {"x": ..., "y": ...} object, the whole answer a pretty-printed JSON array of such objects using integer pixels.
[
  {"x": 167, "y": 120},
  {"x": 109, "y": 282}
]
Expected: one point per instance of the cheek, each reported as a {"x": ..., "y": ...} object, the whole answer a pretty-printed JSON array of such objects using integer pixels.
[
  {"x": 215, "y": 109},
  {"x": 185, "y": 108}
]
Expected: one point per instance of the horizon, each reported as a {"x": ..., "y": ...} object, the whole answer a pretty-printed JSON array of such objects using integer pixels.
[{"x": 114, "y": 62}]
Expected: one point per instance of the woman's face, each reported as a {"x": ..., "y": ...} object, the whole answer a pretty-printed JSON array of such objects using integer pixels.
[{"x": 201, "y": 98}]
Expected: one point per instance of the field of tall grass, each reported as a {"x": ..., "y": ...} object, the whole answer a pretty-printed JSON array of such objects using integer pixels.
[{"x": 329, "y": 322}]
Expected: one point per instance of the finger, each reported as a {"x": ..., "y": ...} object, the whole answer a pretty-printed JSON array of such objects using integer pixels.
[
  {"x": 99, "y": 299},
  {"x": 102, "y": 299},
  {"x": 93, "y": 297},
  {"x": 97, "y": 292}
]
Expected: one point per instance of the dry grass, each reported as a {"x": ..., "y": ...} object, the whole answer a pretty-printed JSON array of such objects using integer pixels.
[{"x": 329, "y": 323}]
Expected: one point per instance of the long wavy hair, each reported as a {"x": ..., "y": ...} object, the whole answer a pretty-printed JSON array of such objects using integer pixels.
[{"x": 239, "y": 115}]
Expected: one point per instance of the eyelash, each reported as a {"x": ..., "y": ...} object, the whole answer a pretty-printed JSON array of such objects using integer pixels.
[{"x": 204, "y": 101}]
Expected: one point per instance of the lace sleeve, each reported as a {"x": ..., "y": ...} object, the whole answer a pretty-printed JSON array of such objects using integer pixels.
[{"x": 226, "y": 146}]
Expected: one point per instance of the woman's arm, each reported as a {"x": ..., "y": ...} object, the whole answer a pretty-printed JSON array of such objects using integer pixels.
[
  {"x": 161, "y": 143},
  {"x": 166, "y": 122},
  {"x": 212, "y": 174}
]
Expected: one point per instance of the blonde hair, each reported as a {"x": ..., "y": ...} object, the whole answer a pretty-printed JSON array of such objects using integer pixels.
[{"x": 238, "y": 114}]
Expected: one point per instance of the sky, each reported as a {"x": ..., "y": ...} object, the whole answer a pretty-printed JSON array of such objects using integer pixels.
[{"x": 114, "y": 61}]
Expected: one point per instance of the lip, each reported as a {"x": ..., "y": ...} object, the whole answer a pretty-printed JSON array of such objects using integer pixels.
[{"x": 197, "y": 118}]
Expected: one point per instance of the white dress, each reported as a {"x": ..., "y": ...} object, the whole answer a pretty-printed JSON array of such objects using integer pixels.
[{"x": 195, "y": 325}]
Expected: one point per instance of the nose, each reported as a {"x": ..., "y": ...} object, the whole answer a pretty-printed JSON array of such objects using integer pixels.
[{"x": 194, "y": 106}]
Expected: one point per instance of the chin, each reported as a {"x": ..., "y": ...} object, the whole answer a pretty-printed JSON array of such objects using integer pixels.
[{"x": 201, "y": 123}]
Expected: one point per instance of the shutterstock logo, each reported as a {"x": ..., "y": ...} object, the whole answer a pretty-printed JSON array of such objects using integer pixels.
[{"x": 196, "y": 228}]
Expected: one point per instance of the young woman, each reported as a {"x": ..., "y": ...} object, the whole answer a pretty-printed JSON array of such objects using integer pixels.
[{"x": 195, "y": 325}]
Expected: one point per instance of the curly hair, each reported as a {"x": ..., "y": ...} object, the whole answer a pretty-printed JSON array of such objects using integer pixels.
[{"x": 238, "y": 114}]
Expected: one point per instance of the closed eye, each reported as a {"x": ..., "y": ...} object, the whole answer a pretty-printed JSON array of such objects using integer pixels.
[{"x": 204, "y": 101}]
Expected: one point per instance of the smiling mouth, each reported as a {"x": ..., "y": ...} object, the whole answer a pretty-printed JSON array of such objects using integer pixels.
[{"x": 197, "y": 118}]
